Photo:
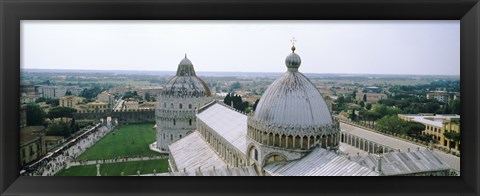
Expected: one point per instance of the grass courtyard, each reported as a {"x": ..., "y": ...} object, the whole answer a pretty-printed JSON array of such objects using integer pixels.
[
  {"x": 127, "y": 140},
  {"x": 115, "y": 169}
]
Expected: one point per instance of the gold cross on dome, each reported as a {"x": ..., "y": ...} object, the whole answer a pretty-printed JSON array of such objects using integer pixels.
[{"x": 293, "y": 40}]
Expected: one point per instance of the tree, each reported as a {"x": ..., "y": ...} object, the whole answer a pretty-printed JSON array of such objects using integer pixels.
[
  {"x": 61, "y": 112},
  {"x": 53, "y": 102},
  {"x": 452, "y": 135},
  {"x": 91, "y": 92},
  {"x": 414, "y": 128},
  {"x": 227, "y": 100},
  {"x": 365, "y": 97},
  {"x": 147, "y": 96},
  {"x": 68, "y": 93},
  {"x": 368, "y": 106},
  {"x": 59, "y": 129},
  {"x": 236, "y": 85},
  {"x": 255, "y": 104},
  {"x": 130, "y": 95},
  {"x": 362, "y": 104},
  {"x": 392, "y": 124},
  {"x": 354, "y": 94},
  {"x": 353, "y": 116},
  {"x": 35, "y": 115},
  {"x": 341, "y": 100},
  {"x": 41, "y": 99}
]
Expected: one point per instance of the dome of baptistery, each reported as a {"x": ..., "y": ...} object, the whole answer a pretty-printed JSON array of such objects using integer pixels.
[
  {"x": 292, "y": 114},
  {"x": 186, "y": 83}
]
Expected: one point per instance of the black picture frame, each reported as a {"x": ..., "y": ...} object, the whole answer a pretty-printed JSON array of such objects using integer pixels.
[{"x": 12, "y": 11}]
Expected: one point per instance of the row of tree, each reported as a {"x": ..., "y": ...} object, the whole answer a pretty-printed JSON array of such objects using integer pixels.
[
  {"x": 237, "y": 102},
  {"x": 36, "y": 115}
]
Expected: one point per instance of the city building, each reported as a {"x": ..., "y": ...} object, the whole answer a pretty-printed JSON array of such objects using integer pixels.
[
  {"x": 53, "y": 141},
  {"x": 23, "y": 115},
  {"x": 28, "y": 89},
  {"x": 74, "y": 90},
  {"x": 456, "y": 96},
  {"x": 28, "y": 98},
  {"x": 52, "y": 92},
  {"x": 177, "y": 104},
  {"x": 107, "y": 98},
  {"x": 70, "y": 101},
  {"x": 147, "y": 105},
  {"x": 97, "y": 107},
  {"x": 372, "y": 89},
  {"x": 152, "y": 91},
  {"x": 130, "y": 105},
  {"x": 440, "y": 96},
  {"x": 436, "y": 126},
  {"x": 32, "y": 144},
  {"x": 291, "y": 133}
]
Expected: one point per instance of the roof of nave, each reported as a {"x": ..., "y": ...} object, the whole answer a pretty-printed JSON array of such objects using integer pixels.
[
  {"x": 229, "y": 124},
  {"x": 192, "y": 152},
  {"x": 398, "y": 163}
]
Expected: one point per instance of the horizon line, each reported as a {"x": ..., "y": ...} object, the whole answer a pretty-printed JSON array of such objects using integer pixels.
[{"x": 104, "y": 70}]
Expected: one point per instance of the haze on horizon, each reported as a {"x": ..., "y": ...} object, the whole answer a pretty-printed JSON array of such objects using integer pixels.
[{"x": 346, "y": 47}]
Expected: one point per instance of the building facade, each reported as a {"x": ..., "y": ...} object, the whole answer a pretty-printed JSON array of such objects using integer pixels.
[
  {"x": 52, "y": 92},
  {"x": 106, "y": 98},
  {"x": 32, "y": 144},
  {"x": 440, "y": 96},
  {"x": 70, "y": 101},
  {"x": 177, "y": 104},
  {"x": 436, "y": 126},
  {"x": 97, "y": 107}
]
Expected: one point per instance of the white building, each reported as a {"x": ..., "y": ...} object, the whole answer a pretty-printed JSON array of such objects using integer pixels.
[
  {"x": 291, "y": 133},
  {"x": 181, "y": 96},
  {"x": 28, "y": 98},
  {"x": 440, "y": 96},
  {"x": 52, "y": 92},
  {"x": 106, "y": 98}
]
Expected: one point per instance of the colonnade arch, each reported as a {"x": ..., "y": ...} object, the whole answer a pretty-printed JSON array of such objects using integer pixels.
[
  {"x": 293, "y": 141},
  {"x": 364, "y": 144}
]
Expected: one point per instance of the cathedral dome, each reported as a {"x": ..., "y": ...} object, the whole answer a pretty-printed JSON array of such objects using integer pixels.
[
  {"x": 186, "y": 83},
  {"x": 293, "y": 100}
]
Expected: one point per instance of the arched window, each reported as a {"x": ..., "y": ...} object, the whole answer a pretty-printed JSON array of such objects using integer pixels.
[
  {"x": 164, "y": 136},
  {"x": 190, "y": 121},
  {"x": 189, "y": 106},
  {"x": 171, "y": 105},
  {"x": 256, "y": 155},
  {"x": 171, "y": 137},
  {"x": 174, "y": 122},
  {"x": 180, "y": 106},
  {"x": 180, "y": 136},
  {"x": 165, "y": 105}
]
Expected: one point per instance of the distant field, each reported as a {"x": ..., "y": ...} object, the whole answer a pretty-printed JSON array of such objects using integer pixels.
[
  {"x": 128, "y": 140},
  {"x": 115, "y": 169}
]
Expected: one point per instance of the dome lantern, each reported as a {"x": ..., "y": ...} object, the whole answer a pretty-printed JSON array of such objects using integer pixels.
[{"x": 293, "y": 60}]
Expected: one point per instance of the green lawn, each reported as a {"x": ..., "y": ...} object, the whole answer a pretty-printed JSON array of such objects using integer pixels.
[
  {"x": 127, "y": 140},
  {"x": 115, "y": 169}
]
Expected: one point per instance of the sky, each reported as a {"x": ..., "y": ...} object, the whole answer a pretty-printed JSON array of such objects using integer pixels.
[{"x": 356, "y": 47}]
